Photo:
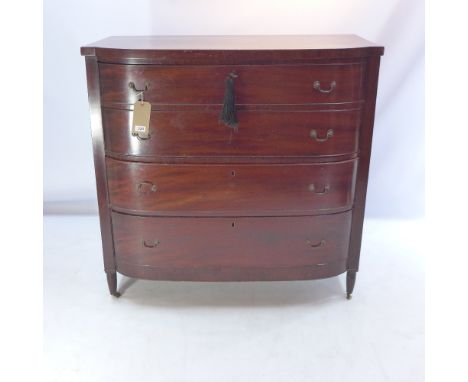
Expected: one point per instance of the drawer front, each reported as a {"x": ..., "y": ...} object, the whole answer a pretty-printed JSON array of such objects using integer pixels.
[
  {"x": 254, "y": 84},
  {"x": 231, "y": 242},
  {"x": 220, "y": 190},
  {"x": 260, "y": 133}
]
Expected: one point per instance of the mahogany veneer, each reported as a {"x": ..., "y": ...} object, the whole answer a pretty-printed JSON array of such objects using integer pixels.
[
  {"x": 255, "y": 84},
  {"x": 276, "y": 192},
  {"x": 241, "y": 242},
  {"x": 264, "y": 134},
  {"x": 220, "y": 189}
]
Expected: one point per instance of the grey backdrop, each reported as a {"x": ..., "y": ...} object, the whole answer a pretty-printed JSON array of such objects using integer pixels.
[{"x": 396, "y": 185}]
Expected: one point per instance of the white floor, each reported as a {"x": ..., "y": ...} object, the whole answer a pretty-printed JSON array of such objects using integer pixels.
[{"x": 274, "y": 331}]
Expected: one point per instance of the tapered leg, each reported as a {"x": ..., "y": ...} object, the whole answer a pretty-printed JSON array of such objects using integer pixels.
[
  {"x": 112, "y": 283},
  {"x": 350, "y": 281}
]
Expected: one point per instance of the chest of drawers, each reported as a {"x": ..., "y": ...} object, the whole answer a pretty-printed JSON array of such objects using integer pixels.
[{"x": 256, "y": 162}]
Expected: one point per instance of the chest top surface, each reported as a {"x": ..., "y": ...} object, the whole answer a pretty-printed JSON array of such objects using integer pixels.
[{"x": 226, "y": 49}]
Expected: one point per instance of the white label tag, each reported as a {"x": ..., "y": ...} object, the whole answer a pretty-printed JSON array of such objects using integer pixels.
[
  {"x": 140, "y": 129},
  {"x": 141, "y": 119}
]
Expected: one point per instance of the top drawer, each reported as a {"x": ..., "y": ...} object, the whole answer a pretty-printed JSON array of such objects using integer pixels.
[{"x": 254, "y": 84}]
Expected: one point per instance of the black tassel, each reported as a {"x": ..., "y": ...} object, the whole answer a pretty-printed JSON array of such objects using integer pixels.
[{"x": 228, "y": 114}]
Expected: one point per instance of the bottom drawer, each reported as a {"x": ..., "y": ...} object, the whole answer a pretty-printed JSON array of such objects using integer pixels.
[{"x": 247, "y": 248}]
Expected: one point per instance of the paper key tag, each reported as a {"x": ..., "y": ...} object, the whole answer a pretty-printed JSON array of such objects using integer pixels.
[{"x": 141, "y": 119}]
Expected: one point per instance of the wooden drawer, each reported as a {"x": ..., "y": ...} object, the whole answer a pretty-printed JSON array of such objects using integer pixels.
[
  {"x": 254, "y": 84},
  {"x": 270, "y": 242},
  {"x": 240, "y": 190},
  {"x": 260, "y": 133}
]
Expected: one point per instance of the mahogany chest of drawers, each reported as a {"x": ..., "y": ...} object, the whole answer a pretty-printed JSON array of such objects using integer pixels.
[{"x": 255, "y": 164}]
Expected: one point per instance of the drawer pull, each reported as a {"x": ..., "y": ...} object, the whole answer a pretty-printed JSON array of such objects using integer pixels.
[
  {"x": 314, "y": 135},
  {"x": 146, "y": 187},
  {"x": 313, "y": 189},
  {"x": 151, "y": 243},
  {"x": 132, "y": 86},
  {"x": 228, "y": 113},
  {"x": 318, "y": 87},
  {"x": 321, "y": 243}
]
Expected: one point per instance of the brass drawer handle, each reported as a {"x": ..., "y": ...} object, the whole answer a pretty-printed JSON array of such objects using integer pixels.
[
  {"x": 313, "y": 189},
  {"x": 146, "y": 187},
  {"x": 318, "y": 87},
  {"x": 132, "y": 86},
  {"x": 321, "y": 243},
  {"x": 151, "y": 243},
  {"x": 314, "y": 135}
]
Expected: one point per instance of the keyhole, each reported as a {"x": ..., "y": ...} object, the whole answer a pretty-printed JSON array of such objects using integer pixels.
[
  {"x": 233, "y": 224},
  {"x": 233, "y": 173}
]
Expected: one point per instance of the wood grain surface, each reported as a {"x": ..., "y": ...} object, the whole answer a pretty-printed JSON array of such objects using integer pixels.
[
  {"x": 231, "y": 242},
  {"x": 260, "y": 133},
  {"x": 266, "y": 49},
  {"x": 220, "y": 190},
  {"x": 254, "y": 84}
]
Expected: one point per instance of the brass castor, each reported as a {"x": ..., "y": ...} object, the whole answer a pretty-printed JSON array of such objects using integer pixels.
[{"x": 350, "y": 281}]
